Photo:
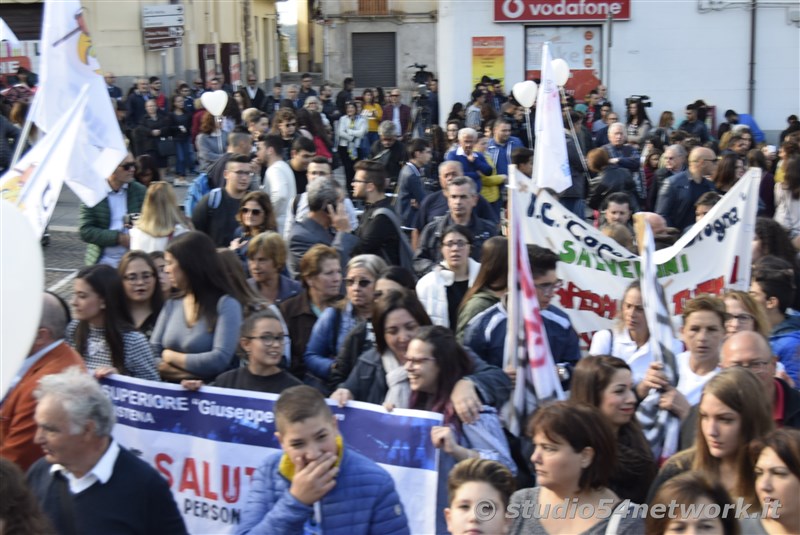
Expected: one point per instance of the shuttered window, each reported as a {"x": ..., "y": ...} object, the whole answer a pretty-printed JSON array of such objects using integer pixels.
[{"x": 375, "y": 59}]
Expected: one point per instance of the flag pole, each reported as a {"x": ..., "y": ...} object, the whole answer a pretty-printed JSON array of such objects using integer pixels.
[
  {"x": 26, "y": 132},
  {"x": 81, "y": 102}
]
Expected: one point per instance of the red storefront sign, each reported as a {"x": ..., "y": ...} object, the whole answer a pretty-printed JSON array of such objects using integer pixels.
[{"x": 560, "y": 10}]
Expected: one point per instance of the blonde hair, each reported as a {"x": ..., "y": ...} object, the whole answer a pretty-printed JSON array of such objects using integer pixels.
[
  {"x": 160, "y": 213},
  {"x": 760, "y": 322}
]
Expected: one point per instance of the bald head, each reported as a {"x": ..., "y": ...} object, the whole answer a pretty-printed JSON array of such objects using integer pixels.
[
  {"x": 751, "y": 350},
  {"x": 657, "y": 223},
  {"x": 702, "y": 162}
]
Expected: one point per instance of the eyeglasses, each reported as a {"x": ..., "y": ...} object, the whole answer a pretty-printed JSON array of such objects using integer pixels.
[
  {"x": 755, "y": 365},
  {"x": 362, "y": 283},
  {"x": 413, "y": 363},
  {"x": 243, "y": 173},
  {"x": 739, "y": 317},
  {"x": 254, "y": 211},
  {"x": 550, "y": 287},
  {"x": 269, "y": 339},
  {"x": 453, "y": 130},
  {"x": 128, "y": 166},
  {"x": 135, "y": 277},
  {"x": 455, "y": 243}
]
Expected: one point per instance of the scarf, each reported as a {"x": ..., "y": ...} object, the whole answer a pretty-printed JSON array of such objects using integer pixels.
[{"x": 399, "y": 393}]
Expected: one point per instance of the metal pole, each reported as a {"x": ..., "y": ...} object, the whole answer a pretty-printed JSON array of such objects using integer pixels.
[
  {"x": 751, "y": 89},
  {"x": 528, "y": 127},
  {"x": 165, "y": 85}
]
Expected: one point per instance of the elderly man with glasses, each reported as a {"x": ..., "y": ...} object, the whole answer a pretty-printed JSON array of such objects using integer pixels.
[{"x": 398, "y": 113}]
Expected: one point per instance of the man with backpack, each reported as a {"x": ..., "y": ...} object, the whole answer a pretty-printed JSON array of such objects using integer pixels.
[
  {"x": 215, "y": 214},
  {"x": 379, "y": 231}
]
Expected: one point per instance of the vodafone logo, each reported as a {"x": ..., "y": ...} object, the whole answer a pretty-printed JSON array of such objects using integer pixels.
[{"x": 560, "y": 10}]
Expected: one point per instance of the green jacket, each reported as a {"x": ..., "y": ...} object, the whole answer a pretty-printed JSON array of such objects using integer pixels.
[
  {"x": 94, "y": 222},
  {"x": 479, "y": 302}
]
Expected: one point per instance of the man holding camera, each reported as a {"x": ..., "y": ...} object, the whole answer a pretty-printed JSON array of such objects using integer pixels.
[{"x": 104, "y": 227}]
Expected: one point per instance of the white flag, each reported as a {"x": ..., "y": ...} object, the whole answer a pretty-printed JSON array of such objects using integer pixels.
[
  {"x": 33, "y": 185},
  {"x": 550, "y": 163},
  {"x": 526, "y": 339},
  {"x": 68, "y": 63},
  {"x": 7, "y": 35}
]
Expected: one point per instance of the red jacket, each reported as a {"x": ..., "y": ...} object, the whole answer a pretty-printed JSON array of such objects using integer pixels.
[{"x": 17, "y": 427}]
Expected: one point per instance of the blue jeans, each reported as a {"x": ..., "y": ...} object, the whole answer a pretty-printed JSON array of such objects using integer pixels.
[{"x": 183, "y": 156}]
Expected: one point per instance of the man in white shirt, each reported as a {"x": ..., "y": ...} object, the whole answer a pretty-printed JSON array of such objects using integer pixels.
[{"x": 279, "y": 183}]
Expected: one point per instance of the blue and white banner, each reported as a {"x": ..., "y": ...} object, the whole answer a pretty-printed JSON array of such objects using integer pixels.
[{"x": 207, "y": 444}]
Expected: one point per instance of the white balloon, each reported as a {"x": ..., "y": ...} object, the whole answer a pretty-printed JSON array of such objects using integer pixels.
[
  {"x": 561, "y": 71},
  {"x": 214, "y": 101},
  {"x": 22, "y": 284},
  {"x": 525, "y": 93}
]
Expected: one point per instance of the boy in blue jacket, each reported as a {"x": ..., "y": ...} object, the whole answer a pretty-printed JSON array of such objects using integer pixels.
[{"x": 316, "y": 485}]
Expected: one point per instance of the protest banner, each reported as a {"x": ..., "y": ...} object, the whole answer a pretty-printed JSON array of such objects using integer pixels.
[
  {"x": 207, "y": 445},
  {"x": 713, "y": 255}
]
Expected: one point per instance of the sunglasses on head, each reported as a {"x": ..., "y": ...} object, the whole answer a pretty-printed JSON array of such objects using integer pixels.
[{"x": 254, "y": 211}]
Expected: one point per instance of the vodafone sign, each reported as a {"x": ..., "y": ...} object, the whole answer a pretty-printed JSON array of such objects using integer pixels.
[{"x": 560, "y": 10}]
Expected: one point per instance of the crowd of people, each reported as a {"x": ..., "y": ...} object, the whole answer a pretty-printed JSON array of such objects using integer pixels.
[{"x": 388, "y": 285}]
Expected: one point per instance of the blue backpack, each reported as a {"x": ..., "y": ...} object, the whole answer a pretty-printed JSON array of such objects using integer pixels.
[{"x": 197, "y": 190}]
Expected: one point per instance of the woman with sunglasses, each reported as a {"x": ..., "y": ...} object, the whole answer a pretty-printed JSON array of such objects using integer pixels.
[
  {"x": 337, "y": 321},
  {"x": 144, "y": 298},
  {"x": 255, "y": 216},
  {"x": 379, "y": 375},
  {"x": 362, "y": 336}
]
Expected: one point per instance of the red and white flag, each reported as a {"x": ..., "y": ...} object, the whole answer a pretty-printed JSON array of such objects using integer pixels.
[
  {"x": 68, "y": 63},
  {"x": 550, "y": 162},
  {"x": 526, "y": 339}
]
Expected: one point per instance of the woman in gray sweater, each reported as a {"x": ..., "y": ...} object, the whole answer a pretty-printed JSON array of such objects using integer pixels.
[{"x": 197, "y": 332}]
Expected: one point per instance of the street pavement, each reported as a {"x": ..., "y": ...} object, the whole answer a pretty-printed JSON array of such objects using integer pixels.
[{"x": 63, "y": 256}]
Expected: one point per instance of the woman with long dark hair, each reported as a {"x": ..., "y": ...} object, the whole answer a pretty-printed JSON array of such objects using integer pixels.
[
  {"x": 144, "y": 297},
  {"x": 637, "y": 124},
  {"x": 490, "y": 283},
  {"x": 102, "y": 331},
  {"x": 435, "y": 362},
  {"x": 727, "y": 173},
  {"x": 255, "y": 216},
  {"x": 607, "y": 383},
  {"x": 197, "y": 333},
  {"x": 777, "y": 482},
  {"x": 379, "y": 375}
]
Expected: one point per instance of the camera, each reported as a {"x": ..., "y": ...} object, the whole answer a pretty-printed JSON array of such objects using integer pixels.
[
  {"x": 130, "y": 219},
  {"x": 421, "y": 77},
  {"x": 641, "y": 100}
]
